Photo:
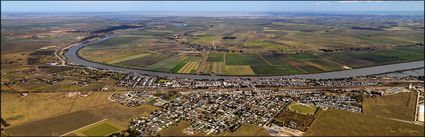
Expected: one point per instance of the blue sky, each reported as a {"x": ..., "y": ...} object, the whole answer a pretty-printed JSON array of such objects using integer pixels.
[{"x": 71, "y": 6}]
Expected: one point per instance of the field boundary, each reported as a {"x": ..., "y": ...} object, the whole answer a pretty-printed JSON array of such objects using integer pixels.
[{"x": 84, "y": 127}]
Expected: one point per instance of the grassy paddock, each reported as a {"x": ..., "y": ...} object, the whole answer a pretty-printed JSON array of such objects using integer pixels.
[
  {"x": 100, "y": 128},
  {"x": 54, "y": 126},
  {"x": 303, "y": 109},
  {"x": 343, "y": 123},
  {"x": 400, "y": 106}
]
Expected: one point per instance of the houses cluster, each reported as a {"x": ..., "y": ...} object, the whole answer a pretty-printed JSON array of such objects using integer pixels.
[
  {"x": 209, "y": 48},
  {"x": 135, "y": 80},
  {"x": 136, "y": 98},
  {"x": 213, "y": 112},
  {"x": 348, "y": 101},
  {"x": 138, "y": 81}
]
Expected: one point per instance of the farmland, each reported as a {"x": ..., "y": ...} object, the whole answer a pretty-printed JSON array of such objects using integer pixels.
[
  {"x": 100, "y": 128},
  {"x": 400, "y": 106},
  {"x": 63, "y": 113},
  {"x": 342, "y": 123},
  {"x": 263, "y": 46},
  {"x": 56, "y": 125}
]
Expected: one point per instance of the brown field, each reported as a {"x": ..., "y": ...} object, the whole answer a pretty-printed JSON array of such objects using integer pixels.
[
  {"x": 54, "y": 126},
  {"x": 303, "y": 120},
  {"x": 343, "y": 123},
  {"x": 18, "y": 110},
  {"x": 400, "y": 106},
  {"x": 238, "y": 70},
  {"x": 248, "y": 130}
]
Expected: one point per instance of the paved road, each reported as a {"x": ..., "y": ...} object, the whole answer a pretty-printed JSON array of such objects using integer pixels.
[{"x": 72, "y": 55}]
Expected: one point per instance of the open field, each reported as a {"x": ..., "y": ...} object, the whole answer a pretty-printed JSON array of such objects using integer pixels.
[
  {"x": 189, "y": 67},
  {"x": 343, "y": 123},
  {"x": 238, "y": 70},
  {"x": 248, "y": 130},
  {"x": 205, "y": 40},
  {"x": 19, "y": 111},
  {"x": 287, "y": 115},
  {"x": 168, "y": 64},
  {"x": 54, "y": 126},
  {"x": 145, "y": 61},
  {"x": 298, "y": 45},
  {"x": 244, "y": 59},
  {"x": 269, "y": 45},
  {"x": 302, "y": 108},
  {"x": 215, "y": 57},
  {"x": 399, "y": 106},
  {"x": 100, "y": 128}
]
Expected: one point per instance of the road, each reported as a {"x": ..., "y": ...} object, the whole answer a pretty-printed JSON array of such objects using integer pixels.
[{"x": 74, "y": 58}]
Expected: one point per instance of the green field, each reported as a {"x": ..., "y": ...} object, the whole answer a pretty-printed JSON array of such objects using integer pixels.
[
  {"x": 100, "y": 128},
  {"x": 244, "y": 59},
  {"x": 303, "y": 109},
  {"x": 380, "y": 57},
  {"x": 266, "y": 44},
  {"x": 168, "y": 64},
  {"x": 204, "y": 39},
  {"x": 145, "y": 61},
  {"x": 247, "y": 130},
  {"x": 215, "y": 57},
  {"x": 274, "y": 48},
  {"x": 343, "y": 123}
]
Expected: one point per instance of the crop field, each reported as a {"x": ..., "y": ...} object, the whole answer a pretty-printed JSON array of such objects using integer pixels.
[
  {"x": 400, "y": 106},
  {"x": 100, "y": 128},
  {"x": 189, "y": 67},
  {"x": 238, "y": 70},
  {"x": 215, "y": 67},
  {"x": 343, "y": 123},
  {"x": 112, "y": 55},
  {"x": 205, "y": 40},
  {"x": 266, "y": 44},
  {"x": 145, "y": 61},
  {"x": 302, "y": 108},
  {"x": 168, "y": 64},
  {"x": 189, "y": 64},
  {"x": 244, "y": 59},
  {"x": 269, "y": 47},
  {"x": 215, "y": 57},
  {"x": 362, "y": 59}
]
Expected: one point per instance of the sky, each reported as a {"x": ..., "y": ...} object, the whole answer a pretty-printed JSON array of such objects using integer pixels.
[{"x": 110, "y": 6}]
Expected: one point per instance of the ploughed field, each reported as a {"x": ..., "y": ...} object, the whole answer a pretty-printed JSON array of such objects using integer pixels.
[{"x": 266, "y": 46}]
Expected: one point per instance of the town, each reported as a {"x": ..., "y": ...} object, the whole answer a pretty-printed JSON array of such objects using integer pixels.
[{"x": 225, "y": 110}]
